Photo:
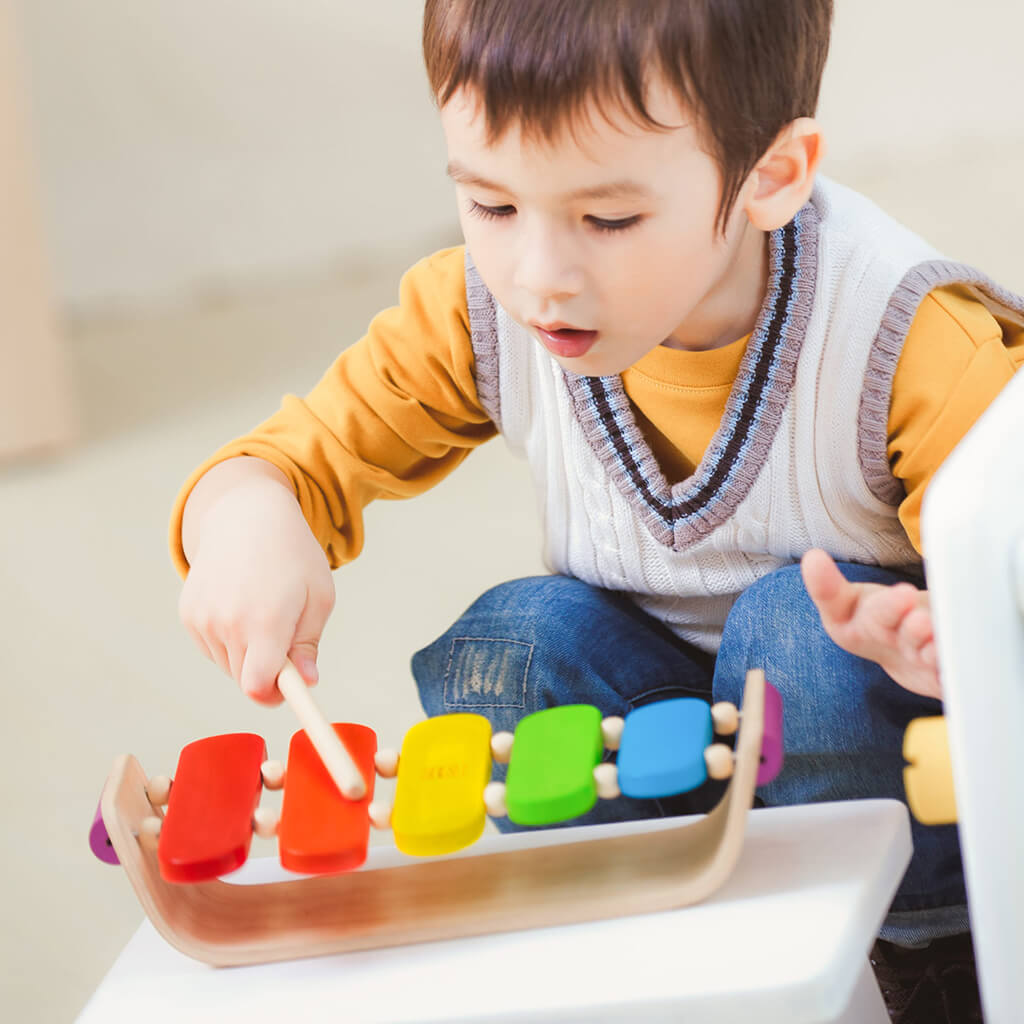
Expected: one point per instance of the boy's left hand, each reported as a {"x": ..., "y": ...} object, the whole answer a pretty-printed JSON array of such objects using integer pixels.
[{"x": 890, "y": 625}]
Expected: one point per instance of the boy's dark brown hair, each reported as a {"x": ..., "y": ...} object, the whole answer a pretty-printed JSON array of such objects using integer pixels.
[{"x": 745, "y": 68}]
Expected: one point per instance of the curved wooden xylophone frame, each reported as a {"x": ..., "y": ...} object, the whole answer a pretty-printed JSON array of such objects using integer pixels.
[{"x": 227, "y": 924}]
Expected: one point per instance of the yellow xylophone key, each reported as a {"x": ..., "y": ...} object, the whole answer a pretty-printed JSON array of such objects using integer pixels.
[
  {"x": 444, "y": 765},
  {"x": 928, "y": 778}
]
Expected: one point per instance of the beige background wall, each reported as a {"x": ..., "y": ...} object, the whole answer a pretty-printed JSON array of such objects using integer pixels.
[
  {"x": 183, "y": 145},
  {"x": 188, "y": 145}
]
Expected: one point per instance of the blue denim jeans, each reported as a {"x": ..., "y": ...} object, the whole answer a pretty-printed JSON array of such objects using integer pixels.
[{"x": 544, "y": 641}]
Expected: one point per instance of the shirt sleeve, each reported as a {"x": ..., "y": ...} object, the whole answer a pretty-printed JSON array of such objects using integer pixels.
[
  {"x": 394, "y": 415},
  {"x": 956, "y": 358}
]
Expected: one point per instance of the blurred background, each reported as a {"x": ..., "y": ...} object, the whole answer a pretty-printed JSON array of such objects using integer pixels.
[{"x": 200, "y": 204}]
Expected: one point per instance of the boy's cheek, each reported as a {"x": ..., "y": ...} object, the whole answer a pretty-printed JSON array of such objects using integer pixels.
[{"x": 494, "y": 271}]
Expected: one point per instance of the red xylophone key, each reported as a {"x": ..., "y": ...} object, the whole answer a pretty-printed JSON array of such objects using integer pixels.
[
  {"x": 321, "y": 832},
  {"x": 208, "y": 826}
]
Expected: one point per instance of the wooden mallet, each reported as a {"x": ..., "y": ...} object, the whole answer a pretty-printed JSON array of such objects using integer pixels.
[{"x": 336, "y": 758}]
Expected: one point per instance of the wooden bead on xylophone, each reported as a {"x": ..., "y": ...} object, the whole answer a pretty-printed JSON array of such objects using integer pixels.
[{"x": 555, "y": 774}]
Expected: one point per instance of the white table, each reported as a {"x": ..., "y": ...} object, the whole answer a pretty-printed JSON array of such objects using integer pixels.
[{"x": 785, "y": 940}]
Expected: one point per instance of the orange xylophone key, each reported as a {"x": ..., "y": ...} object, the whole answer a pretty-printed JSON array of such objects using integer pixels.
[
  {"x": 321, "y": 832},
  {"x": 208, "y": 827}
]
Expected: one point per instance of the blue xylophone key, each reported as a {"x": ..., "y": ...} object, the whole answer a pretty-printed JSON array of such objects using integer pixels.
[{"x": 662, "y": 748}]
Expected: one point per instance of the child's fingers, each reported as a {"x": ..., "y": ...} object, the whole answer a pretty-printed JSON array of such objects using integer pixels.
[
  {"x": 835, "y": 597},
  {"x": 890, "y": 606},
  {"x": 918, "y": 626},
  {"x": 306, "y": 642},
  {"x": 303, "y": 657},
  {"x": 200, "y": 642},
  {"x": 929, "y": 656},
  {"x": 264, "y": 658},
  {"x": 236, "y": 630},
  {"x": 236, "y": 659},
  {"x": 916, "y": 638},
  {"x": 202, "y": 627},
  {"x": 219, "y": 654}
]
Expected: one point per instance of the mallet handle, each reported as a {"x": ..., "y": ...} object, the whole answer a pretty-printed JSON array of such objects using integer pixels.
[{"x": 337, "y": 760}]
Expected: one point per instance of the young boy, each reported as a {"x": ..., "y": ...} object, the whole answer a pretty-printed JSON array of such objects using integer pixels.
[{"x": 722, "y": 370}]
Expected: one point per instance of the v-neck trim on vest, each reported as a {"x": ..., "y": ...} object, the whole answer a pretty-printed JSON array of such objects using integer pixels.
[{"x": 680, "y": 515}]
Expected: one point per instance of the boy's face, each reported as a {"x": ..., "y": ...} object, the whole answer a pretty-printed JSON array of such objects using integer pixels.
[{"x": 603, "y": 243}]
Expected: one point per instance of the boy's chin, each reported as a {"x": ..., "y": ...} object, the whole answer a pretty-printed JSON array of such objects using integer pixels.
[
  {"x": 585, "y": 366},
  {"x": 593, "y": 364}
]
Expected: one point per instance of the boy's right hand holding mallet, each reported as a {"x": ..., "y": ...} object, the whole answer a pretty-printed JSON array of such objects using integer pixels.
[{"x": 259, "y": 588}]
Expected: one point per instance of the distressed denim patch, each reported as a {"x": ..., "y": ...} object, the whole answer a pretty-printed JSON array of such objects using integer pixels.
[{"x": 486, "y": 672}]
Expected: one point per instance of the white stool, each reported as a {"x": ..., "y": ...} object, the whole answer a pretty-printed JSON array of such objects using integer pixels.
[{"x": 784, "y": 941}]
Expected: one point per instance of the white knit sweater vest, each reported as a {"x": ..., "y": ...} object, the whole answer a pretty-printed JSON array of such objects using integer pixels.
[{"x": 799, "y": 460}]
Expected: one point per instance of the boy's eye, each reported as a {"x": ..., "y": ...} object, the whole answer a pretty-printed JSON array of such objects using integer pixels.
[
  {"x": 508, "y": 210},
  {"x": 602, "y": 224},
  {"x": 490, "y": 212}
]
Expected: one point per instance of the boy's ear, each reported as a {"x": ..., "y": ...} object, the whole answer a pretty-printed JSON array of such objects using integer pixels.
[{"x": 783, "y": 179}]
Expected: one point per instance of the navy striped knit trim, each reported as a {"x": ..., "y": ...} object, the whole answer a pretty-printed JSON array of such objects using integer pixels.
[
  {"x": 876, "y": 398},
  {"x": 681, "y": 515}
]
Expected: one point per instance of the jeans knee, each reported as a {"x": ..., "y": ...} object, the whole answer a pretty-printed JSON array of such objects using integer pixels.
[
  {"x": 771, "y": 623},
  {"x": 540, "y": 642},
  {"x": 781, "y": 592},
  {"x": 481, "y": 665},
  {"x": 485, "y": 675}
]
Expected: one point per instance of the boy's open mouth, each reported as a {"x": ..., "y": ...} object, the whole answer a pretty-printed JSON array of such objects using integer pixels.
[{"x": 565, "y": 342}]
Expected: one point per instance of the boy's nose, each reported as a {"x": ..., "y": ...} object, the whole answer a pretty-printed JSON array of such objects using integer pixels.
[{"x": 546, "y": 272}]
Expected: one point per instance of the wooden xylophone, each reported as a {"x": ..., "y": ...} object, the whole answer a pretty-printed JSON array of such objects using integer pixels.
[{"x": 442, "y": 797}]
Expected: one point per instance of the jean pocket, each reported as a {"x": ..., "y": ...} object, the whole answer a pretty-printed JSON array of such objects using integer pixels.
[
  {"x": 486, "y": 672},
  {"x": 668, "y": 692}
]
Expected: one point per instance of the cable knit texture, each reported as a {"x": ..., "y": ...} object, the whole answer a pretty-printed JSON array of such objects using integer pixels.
[{"x": 799, "y": 460}]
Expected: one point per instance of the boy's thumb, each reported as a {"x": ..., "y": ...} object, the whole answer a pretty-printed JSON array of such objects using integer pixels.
[
  {"x": 306, "y": 639},
  {"x": 303, "y": 656}
]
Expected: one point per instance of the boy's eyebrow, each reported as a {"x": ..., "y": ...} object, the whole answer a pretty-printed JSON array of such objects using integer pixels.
[{"x": 608, "y": 190}]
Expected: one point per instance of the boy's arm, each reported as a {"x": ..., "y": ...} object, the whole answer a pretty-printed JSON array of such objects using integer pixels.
[
  {"x": 393, "y": 416},
  {"x": 214, "y": 484},
  {"x": 257, "y": 528},
  {"x": 955, "y": 360}
]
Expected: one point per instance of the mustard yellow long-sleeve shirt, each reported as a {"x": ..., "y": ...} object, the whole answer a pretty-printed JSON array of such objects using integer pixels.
[{"x": 398, "y": 410}]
